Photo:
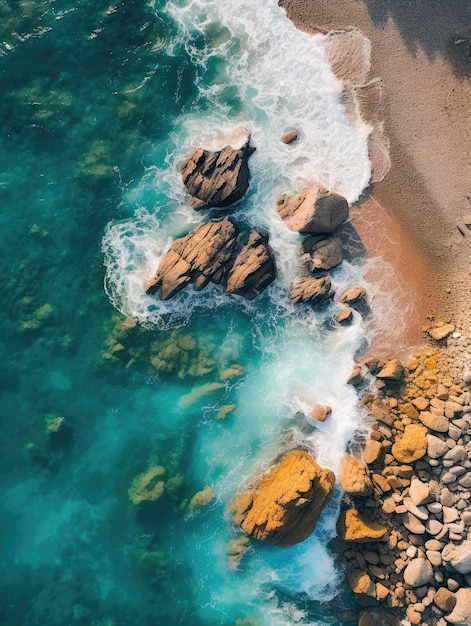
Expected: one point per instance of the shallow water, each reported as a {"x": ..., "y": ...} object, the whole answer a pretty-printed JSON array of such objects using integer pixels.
[{"x": 99, "y": 106}]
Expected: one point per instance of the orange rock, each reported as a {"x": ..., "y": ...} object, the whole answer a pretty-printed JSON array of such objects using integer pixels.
[
  {"x": 354, "y": 527},
  {"x": 354, "y": 477},
  {"x": 286, "y": 503},
  {"x": 411, "y": 445}
]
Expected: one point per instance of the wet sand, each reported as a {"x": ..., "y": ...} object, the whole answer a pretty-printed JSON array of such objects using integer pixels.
[{"x": 417, "y": 215}]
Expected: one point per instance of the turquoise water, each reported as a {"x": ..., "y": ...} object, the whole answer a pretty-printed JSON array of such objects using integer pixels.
[{"x": 99, "y": 104}]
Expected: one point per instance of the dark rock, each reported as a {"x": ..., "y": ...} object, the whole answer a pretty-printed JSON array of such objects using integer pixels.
[
  {"x": 345, "y": 317},
  {"x": 311, "y": 290},
  {"x": 315, "y": 210},
  {"x": 198, "y": 257},
  {"x": 254, "y": 268},
  {"x": 326, "y": 254},
  {"x": 217, "y": 179}
]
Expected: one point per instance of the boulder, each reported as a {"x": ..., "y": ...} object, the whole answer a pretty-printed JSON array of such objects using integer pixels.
[
  {"x": 320, "y": 412},
  {"x": 436, "y": 447},
  {"x": 440, "y": 329},
  {"x": 445, "y": 599},
  {"x": 354, "y": 527},
  {"x": 392, "y": 370},
  {"x": 371, "y": 451},
  {"x": 461, "y": 614},
  {"x": 419, "y": 492},
  {"x": 353, "y": 294},
  {"x": 356, "y": 377},
  {"x": 254, "y": 268},
  {"x": 289, "y": 136},
  {"x": 459, "y": 557},
  {"x": 419, "y": 572},
  {"x": 354, "y": 477},
  {"x": 361, "y": 585},
  {"x": 219, "y": 178},
  {"x": 199, "y": 257},
  {"x": 285, "y": 504},
  {"x": 326, "y": 254},
  {"x": 315, "y": 210},
  {"x": 438, "y": 423},
  {"x": 411, "y": 445},
  {"x": 345, "y": 317},
  {"x": 311, "y": 290}
]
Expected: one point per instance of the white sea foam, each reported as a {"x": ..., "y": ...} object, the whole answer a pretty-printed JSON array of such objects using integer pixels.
[{"x": 283, "y": 81}]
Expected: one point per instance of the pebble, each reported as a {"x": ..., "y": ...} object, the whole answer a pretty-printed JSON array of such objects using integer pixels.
[
  {"x": 419, "y": 511},
  {"x": 419, "y": 572},
  {"x": 449, "y": 514},
  {"x": 433, "y": 526},
  {"x": 452, "y": 584},
  {"x": 446, "y": 497},
  {"x": 436, "y": 447},
  {"x": 419, "y": 492},
  {"x": 411, "y": 551},
  {"x": 412, "y": 524},
  {"x": 466, "y": 518},
  {"x": 456, "y": 454},
  {"x": 433, "y": 544},
  {"x": 454, "y": 432},
  {"x": 434, "y": 557},
  {"x": 434, "y": 507},
  {"x": 465, "y": 481},
  {"x": 448, "y": 477}
]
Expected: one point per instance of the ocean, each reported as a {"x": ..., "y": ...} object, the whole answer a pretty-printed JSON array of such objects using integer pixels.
[{"x": 100, "y": 104}]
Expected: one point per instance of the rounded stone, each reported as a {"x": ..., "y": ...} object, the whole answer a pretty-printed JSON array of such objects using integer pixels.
[{"x": 419, "y": 572}]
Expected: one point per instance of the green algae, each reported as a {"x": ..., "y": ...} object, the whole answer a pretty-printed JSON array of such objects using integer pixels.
[{"x": 184, "y": 354}]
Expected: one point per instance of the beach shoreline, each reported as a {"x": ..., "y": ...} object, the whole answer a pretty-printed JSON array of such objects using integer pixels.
[{"x": 426, "y": 196}]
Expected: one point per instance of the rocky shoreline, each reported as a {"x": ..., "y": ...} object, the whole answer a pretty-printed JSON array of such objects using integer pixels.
[{"x": 405, "y": 531}]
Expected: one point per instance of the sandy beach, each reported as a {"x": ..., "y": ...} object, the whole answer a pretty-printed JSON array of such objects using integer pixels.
[{"x": 422, "y": 207}]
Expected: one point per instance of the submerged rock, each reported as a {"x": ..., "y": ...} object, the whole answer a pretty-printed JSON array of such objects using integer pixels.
[
  {"x": 285, "y": 504},
  {"x": 201, "y": 498},
  {"x": 315, "y": 210},
  {"x": 148, "y": 486},
  {"x": 199, "y": 257},
  {"x": 311, "y": 290},
  {"x": 253, "y": 269},
  {"x": 217, "y": 178}
]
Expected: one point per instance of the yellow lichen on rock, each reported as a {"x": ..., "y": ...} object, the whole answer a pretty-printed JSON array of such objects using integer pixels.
[
  {"x": 354, "y": 527},
  {"x": 411, "y": 445},
  {"x": 148, "y": 486},
  {"x": 286, "y": 503}
]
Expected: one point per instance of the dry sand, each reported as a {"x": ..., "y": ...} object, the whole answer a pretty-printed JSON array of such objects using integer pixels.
[{"x": 419, "y": 210}]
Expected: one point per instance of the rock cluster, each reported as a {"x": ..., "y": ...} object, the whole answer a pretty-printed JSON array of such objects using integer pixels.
[
  {"x": 285, "y": 504},
  {"x": 212, "y": 253},
  {"x": 412, "y": 478}
]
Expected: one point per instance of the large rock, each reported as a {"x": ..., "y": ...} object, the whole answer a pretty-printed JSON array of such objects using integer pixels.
[
  {"x": 459, "y": 557},
  {"x": 286, "y": 503},
  {"x": 312, "y": 290},
  {"x": 411, "y": 445},
  {"x": 461, "y": 614},
  {"x": 326, "y": 254},
  {"x": 200, "y": 256},
  {"x": 315, "y": 210},
  {"x": 354, "y": 527},
  {"x": 217, "y": 178},
  {"x": 253, "y": 269},
  {"x": 392, "y": 370},
  {"x": 353, "y": 294},
  {"x": 419, "y": 572},
  {"x": 354, "y": 477}
]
